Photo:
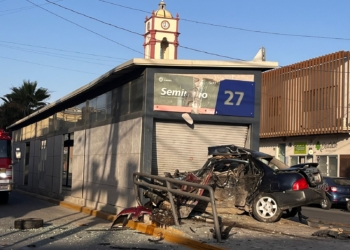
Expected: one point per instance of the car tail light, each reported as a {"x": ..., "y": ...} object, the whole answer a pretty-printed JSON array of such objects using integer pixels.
[
  {"x": 333, "y": 189},
  {"x": 300, "y": 184}
]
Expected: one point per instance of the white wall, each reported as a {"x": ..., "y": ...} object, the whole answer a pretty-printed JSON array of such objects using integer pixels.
[{"x": 103, "y": 163}]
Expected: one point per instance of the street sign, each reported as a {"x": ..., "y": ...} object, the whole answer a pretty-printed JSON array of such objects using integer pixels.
[{"x": 236, "y": 98}]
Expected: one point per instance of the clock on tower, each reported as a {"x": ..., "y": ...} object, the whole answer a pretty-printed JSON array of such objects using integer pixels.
[{"x": 161, "y": 34}]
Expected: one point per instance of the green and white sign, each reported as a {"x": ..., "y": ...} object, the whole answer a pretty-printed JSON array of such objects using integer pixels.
[{"x": 300, "y": 148}]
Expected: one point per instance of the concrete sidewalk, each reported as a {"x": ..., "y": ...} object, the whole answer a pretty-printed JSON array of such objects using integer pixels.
[
  {"x": 245, "y": 233},
  {"x": 170, "y": 234},
  {"x": 65, "y": 228}
]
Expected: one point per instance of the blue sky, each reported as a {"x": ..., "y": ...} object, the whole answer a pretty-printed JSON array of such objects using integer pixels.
[{"x": 38, "y": 45}]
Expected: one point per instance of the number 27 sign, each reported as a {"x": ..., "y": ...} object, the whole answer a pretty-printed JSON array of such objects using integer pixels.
[{"x": 236, "y": 98}]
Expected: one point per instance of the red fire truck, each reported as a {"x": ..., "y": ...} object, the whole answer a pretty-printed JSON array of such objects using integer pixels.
[{"x": 6, "y": 171}]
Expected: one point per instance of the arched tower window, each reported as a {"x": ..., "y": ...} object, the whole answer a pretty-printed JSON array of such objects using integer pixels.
[{"x": 164, "y": 52}]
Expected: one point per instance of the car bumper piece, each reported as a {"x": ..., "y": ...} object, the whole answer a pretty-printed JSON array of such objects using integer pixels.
[{"x": 290, "y": 199}]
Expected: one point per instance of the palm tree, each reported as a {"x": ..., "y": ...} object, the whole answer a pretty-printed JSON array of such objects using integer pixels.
[
  {"x": 22, "y": 101},
  {"x": 27, "y": 97},
  {"x": 9, "y": 114}
]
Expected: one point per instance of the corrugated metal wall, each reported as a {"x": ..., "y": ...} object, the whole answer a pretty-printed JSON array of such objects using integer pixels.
[
  {"x": 177, "y": 146},
  {"x": 310, "y": 97}
]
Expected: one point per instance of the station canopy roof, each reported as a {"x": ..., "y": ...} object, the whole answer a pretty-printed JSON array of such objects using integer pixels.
[{"x": 127, "y": 70}]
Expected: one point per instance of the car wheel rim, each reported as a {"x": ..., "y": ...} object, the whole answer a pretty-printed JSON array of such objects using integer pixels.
[
  {"x": 266, "y": 207},
  {"x": 324, "y": 203}
]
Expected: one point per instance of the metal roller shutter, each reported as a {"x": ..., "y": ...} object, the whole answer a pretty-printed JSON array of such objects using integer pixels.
[{"x": 177, "y": 146}]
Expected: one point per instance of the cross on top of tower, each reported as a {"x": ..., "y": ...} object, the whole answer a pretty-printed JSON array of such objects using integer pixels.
[
  {"x": 162, "y": 5},
  {"x": 162, "y": 12}
]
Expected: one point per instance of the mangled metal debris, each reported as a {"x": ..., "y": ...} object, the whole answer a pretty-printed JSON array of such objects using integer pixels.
[
  {"x": 134, "y": 213},
  {"x": 332, "y": 233},
  {"x": 247, "y": 180}
]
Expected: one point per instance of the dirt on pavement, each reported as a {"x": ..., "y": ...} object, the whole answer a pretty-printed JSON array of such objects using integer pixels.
[{"x": 247, "y": 233}]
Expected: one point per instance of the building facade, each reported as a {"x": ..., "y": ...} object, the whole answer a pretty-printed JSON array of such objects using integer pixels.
[
  {"x": 305, "y": 113},
  {"x": 152, "y": 116}
]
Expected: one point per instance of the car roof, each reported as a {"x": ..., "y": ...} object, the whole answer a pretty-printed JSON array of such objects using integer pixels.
[
  {"x": 258, "y": 154},
  {"x": 226, "y": 149}
]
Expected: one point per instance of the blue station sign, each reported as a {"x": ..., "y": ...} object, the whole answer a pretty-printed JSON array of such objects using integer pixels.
[{"x": 236, "y": 98}]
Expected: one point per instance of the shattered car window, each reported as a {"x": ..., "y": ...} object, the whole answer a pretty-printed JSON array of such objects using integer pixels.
[{"x": 274, "y": 163}]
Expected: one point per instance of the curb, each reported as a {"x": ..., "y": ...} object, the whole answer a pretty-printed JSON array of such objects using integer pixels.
[
  {"x": 86, "y": 210},
  {"x": 171, "y": 235},
  {"x": 168, "y": 234}
]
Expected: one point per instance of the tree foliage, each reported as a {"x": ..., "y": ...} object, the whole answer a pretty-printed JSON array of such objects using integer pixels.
[{"x": 21, "y": 102}]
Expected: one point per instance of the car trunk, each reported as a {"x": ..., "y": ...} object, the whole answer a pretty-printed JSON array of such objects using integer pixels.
[{"x": 309, "y": 171}]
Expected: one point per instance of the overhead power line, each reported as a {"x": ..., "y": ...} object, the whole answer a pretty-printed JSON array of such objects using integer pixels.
[
  {"x": 210, "y": 53},
  {"x": 133, "y": 32},
  {"x": 11, "y": 11},
  {"x": 197, "y": 50},
  {"x": 85, "y": 28},
  {"x": 236, "y": 28},
  {"x": 69, "y": 51},
  {"x": 266, "y": 32},
  {"x": 62, "y": 56},
  {"x": 93, "y": 18},
  {"x": 13, "y": 59},
  {"x": 126, "y": 7}
]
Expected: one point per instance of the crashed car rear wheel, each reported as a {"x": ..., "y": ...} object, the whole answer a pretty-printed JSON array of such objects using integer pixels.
[{"x": 266, "y": 209}]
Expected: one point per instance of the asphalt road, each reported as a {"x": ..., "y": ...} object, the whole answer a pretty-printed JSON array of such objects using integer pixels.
[
  {"x": 66, "y": 229},
  {"x": 337, "y": 214}
]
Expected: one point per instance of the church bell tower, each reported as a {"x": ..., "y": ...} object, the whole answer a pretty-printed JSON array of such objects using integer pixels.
[{"x": 161, "y": 34}]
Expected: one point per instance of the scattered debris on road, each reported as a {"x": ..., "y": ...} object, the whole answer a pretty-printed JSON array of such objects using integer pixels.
[{"x": 336, "y": 233}]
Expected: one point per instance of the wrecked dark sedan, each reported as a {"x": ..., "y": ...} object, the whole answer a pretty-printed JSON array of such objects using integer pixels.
[{"x": 248, "y": 180}]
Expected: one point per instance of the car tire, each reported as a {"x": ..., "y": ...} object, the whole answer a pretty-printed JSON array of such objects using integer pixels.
[
  {"x": 29, "y": 223},
  {"x": 266, "y": 209},
  {"x": 4, "y": 197},
  {"x": 326, "y": 204},
  {"x": 348, "y": 206}
]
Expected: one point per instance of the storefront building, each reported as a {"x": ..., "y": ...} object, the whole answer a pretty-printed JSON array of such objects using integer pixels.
[
  {"x": 305, "y": 113},
  {"x": 152, "y": 116},
  {"x": 330, "y": 151}
]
